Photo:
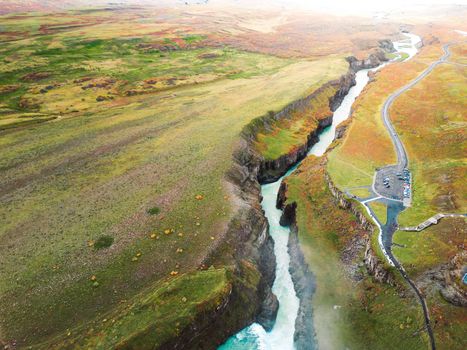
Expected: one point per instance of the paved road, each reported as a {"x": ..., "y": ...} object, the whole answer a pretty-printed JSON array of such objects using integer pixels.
[
  {"x": 393, "y": 194},
  {"x": 402, "y": 159},
  {"x": 396, "y": 189}
]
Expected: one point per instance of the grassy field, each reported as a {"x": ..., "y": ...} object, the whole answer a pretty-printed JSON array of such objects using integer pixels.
[
  {"x": 289, "y": 134},
  {"x": 350, "y": 309},
  {"x": 117, "y": 127},
  {"x": 438, "y": 167},
  {"x": 431, "y": 247},
  {"x": 439, "y": 173},
  {"x": 116, "y": 131},
  {"x": 380, "y": 210},
  {"x": 430, "y": 119},
  {"x": 153, "y": 312},
  {"x": 361, "y": 192},
  {"x": 367, "y": 144}
]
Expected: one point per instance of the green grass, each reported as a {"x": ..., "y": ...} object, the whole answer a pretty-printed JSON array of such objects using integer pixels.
[
  {"x": 96, "y": 168},
  {"x": 103, "y": 242},
  {"x": 431, "y": 247},
  {"x": 346, "y": 174},
  {"x": 403, "y": 56},
  {"x": 152, "y": 318},
  {"x": 361, "y": 192},
  {"x": 368, "y": 315},
  {"x": 380, "y": 210},
  {"x": 290, "y": 133},
  {"x": 154, "y": 211},
  {"x": 193, "y": 38},
  {"x": 437, "y": 170}
]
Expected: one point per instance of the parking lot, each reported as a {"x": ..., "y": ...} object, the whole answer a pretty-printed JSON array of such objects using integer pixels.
[{"x": 394, "y": 182}]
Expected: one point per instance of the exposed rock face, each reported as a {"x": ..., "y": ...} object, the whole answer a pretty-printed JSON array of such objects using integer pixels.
[
  {"x": 376, "y": 268},
  {"x": 269, "y": 310},
  {"x": 250, "y": 248},
  {"x": 305, "y": 286},
  {"x": 288, "y": 215},
  {"x": 271, "y": 170},
  {"x": 345, "y": 83},
  {"x": 374, "y": 265},
  {"x": 387, "y": 45},
  {"x": 374, "y": 60},
  {"x": 249, "y": 232},
  {"x": 250, "y": 244},
  {"x": 342, "y": 128},
  {"x": 303, "y": 279},
  {"x": 447, "y": 279},
  {"x": 281, "y": 195}
]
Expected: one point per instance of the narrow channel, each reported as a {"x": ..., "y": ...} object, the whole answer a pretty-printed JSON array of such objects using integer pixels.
[{"x": 254, "y": 337}]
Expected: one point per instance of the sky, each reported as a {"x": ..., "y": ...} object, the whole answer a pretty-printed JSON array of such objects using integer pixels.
[{"x": 346, "y": 6}]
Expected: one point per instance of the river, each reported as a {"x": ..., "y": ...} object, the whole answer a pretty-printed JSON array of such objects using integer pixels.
[{"x": 254, "y": 337}]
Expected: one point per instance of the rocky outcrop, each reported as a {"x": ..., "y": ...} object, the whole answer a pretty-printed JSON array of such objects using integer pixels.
[
  {"x": 305, "y": 285},
  {"x": 250, "y": 249},
  {"x": 281, "y": 195},
  {"x": 303, "y": 279},
  {"x": 271, "y": 170},
  {"x": 342, "y": 128},
  {"x": 386, "y": 45},
  {"x": 248, "y": 232},
  {"x": 288, "y": 216},
  {"x": 374, "y": 265},
  {"x": 447, "y": 279},
  {"x": 269, "y": 309},
  {"x": 344, "y": 84},
  {"x": 343, "y": 202},
  {"x": 373, "y": 60}
]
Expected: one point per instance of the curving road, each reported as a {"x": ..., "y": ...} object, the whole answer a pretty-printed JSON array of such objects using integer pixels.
[
  {"x": 402, "y": 159},
  {"x": 402, "y": 162},
  {"x": 393, "y": 196}
]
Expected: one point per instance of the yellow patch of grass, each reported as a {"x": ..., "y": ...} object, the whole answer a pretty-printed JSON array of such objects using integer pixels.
[
  {"x": 380, "y": 210},
  {"x": 434, "y": 110}
]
